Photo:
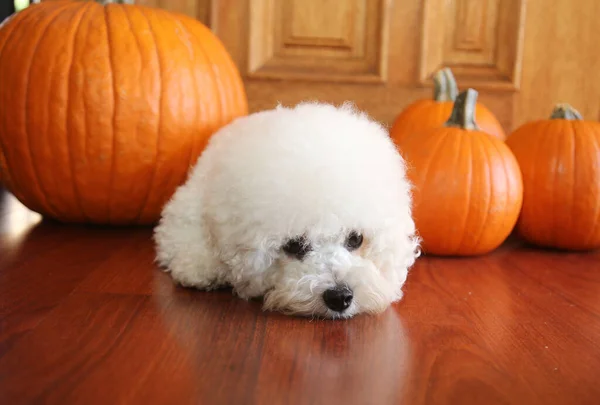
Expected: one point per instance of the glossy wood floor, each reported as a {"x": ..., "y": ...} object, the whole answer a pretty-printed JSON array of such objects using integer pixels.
[{"x": 86, "y": 318}]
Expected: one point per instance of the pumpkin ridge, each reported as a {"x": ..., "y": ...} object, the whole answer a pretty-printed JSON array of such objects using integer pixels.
[
  {"x": 596, "y": 224},
  {"x": 125, "y": 11},
  {"x": 160, "y": 112},
  {"x": 47, "y": 206},
  {"x": 469, "y": 180},
  {"x": 128, "y": 16},
  {"x": 229, "y": 66},
  {"x": 16, "y": 21},
  {"x": 229, "y": 100},
  {"x": 218, "y": 83},
  {"x": 534, "y": 175},
  {"x": 555, "y": 222},
  {"x": 196, "y": 145},
  {"x": 195, "y": 80},
  {"x": 113, "y": 153},
  {"x": 456, "y": 150},
  {"x": 199, "y": 51},
  {"x": 507, "y": 180},
  {"x": 49, "y": 112},
  {"x": 432, "y": 155},
  {"x": 573, "y": 168},
  {"x": 490, "y": 194},
  {"x": 85, "y": 118},
  {"x": 19, "y": 18},
  {"x": 443, "y": 159},
  {"x": 77, "y": 195}
]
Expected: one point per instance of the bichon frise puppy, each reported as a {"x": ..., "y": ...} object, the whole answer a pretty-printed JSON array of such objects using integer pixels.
[{"x": 306, "y": 207}]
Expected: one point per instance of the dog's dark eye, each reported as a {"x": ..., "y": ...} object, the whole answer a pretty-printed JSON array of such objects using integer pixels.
[
  {"x": 297, "y": 247},
  {"x": 354, "y": 240}
]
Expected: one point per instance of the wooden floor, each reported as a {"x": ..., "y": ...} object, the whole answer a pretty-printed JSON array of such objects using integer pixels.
[{"x": 86, "y": 318}]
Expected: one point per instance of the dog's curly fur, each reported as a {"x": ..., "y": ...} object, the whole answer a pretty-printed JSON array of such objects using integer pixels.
[{"x": 314, "y": 171}]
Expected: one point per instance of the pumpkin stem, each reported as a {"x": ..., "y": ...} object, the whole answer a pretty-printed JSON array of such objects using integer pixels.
[
  {"x": 463, "y": 112},
  {"x": 564, "y": 111},
  {"x": 445, "y": 88}
]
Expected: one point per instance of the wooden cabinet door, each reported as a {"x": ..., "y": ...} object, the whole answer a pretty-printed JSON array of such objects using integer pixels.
[{"x": 523, "y": 56}]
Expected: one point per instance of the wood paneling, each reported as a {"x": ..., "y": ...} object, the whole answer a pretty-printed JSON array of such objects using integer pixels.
[
  {"x": 480, "y": 40},
  {"x": 470, "y": 27},
  {"x": 86, "y": 317},
  {"x": 382, "y": 100},
  {"x": 324, "y": 40},
  {"x": 522, "y": 56}
]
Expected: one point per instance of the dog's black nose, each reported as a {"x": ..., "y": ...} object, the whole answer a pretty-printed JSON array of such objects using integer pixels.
[{"x": 338, "y": 299}]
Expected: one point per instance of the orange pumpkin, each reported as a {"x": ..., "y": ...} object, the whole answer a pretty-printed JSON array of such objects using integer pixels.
[
  {"x": 560, "y": 162},
  {"x": 467, "y": 184},
  {"x": 104, "y": 108},
  {"x": 432, "y": 113}
]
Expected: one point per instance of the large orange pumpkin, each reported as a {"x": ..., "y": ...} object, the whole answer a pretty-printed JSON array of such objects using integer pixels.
[
  {"x": 103, "y": 109},
  {"x": 560, "y": 162},
  {"x": 467, "y": 184},
  {"x": 431, "y": 113}
]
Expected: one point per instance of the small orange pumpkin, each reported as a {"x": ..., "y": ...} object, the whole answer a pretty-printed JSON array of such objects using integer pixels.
[
  {"x": 432, "y": 113},
  {"x": 560, "y": 162},
  {"x": 103, "y": 109},
  {"x": 467, "y": 184}
]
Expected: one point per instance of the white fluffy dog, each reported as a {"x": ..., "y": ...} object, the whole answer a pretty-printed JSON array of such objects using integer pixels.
[{"x": 306, "y": 207}]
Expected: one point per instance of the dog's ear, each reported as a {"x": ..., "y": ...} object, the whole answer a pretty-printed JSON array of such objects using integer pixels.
[
  {"x": 259, "y": 260},
  {"x": 249, "y": 271},
  {"x": 250, "y": 262},
  {"x": 395, "y": 250}
]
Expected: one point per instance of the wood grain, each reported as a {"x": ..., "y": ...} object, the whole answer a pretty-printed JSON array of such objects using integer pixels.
[
  {"x": 87, "y": 318},
  {"x": 316, "y": 40},
  {"x": 481, "y": 40},
  {"x": 471, "y": 23}
]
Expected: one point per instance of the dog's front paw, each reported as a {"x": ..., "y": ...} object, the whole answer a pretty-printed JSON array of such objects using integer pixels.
[
  {"x": 249, "y": 289},
  {"x": 199, "y": 274},
  {"x": 203, "y": 286},
  {"x": 198, "y": 280}
]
